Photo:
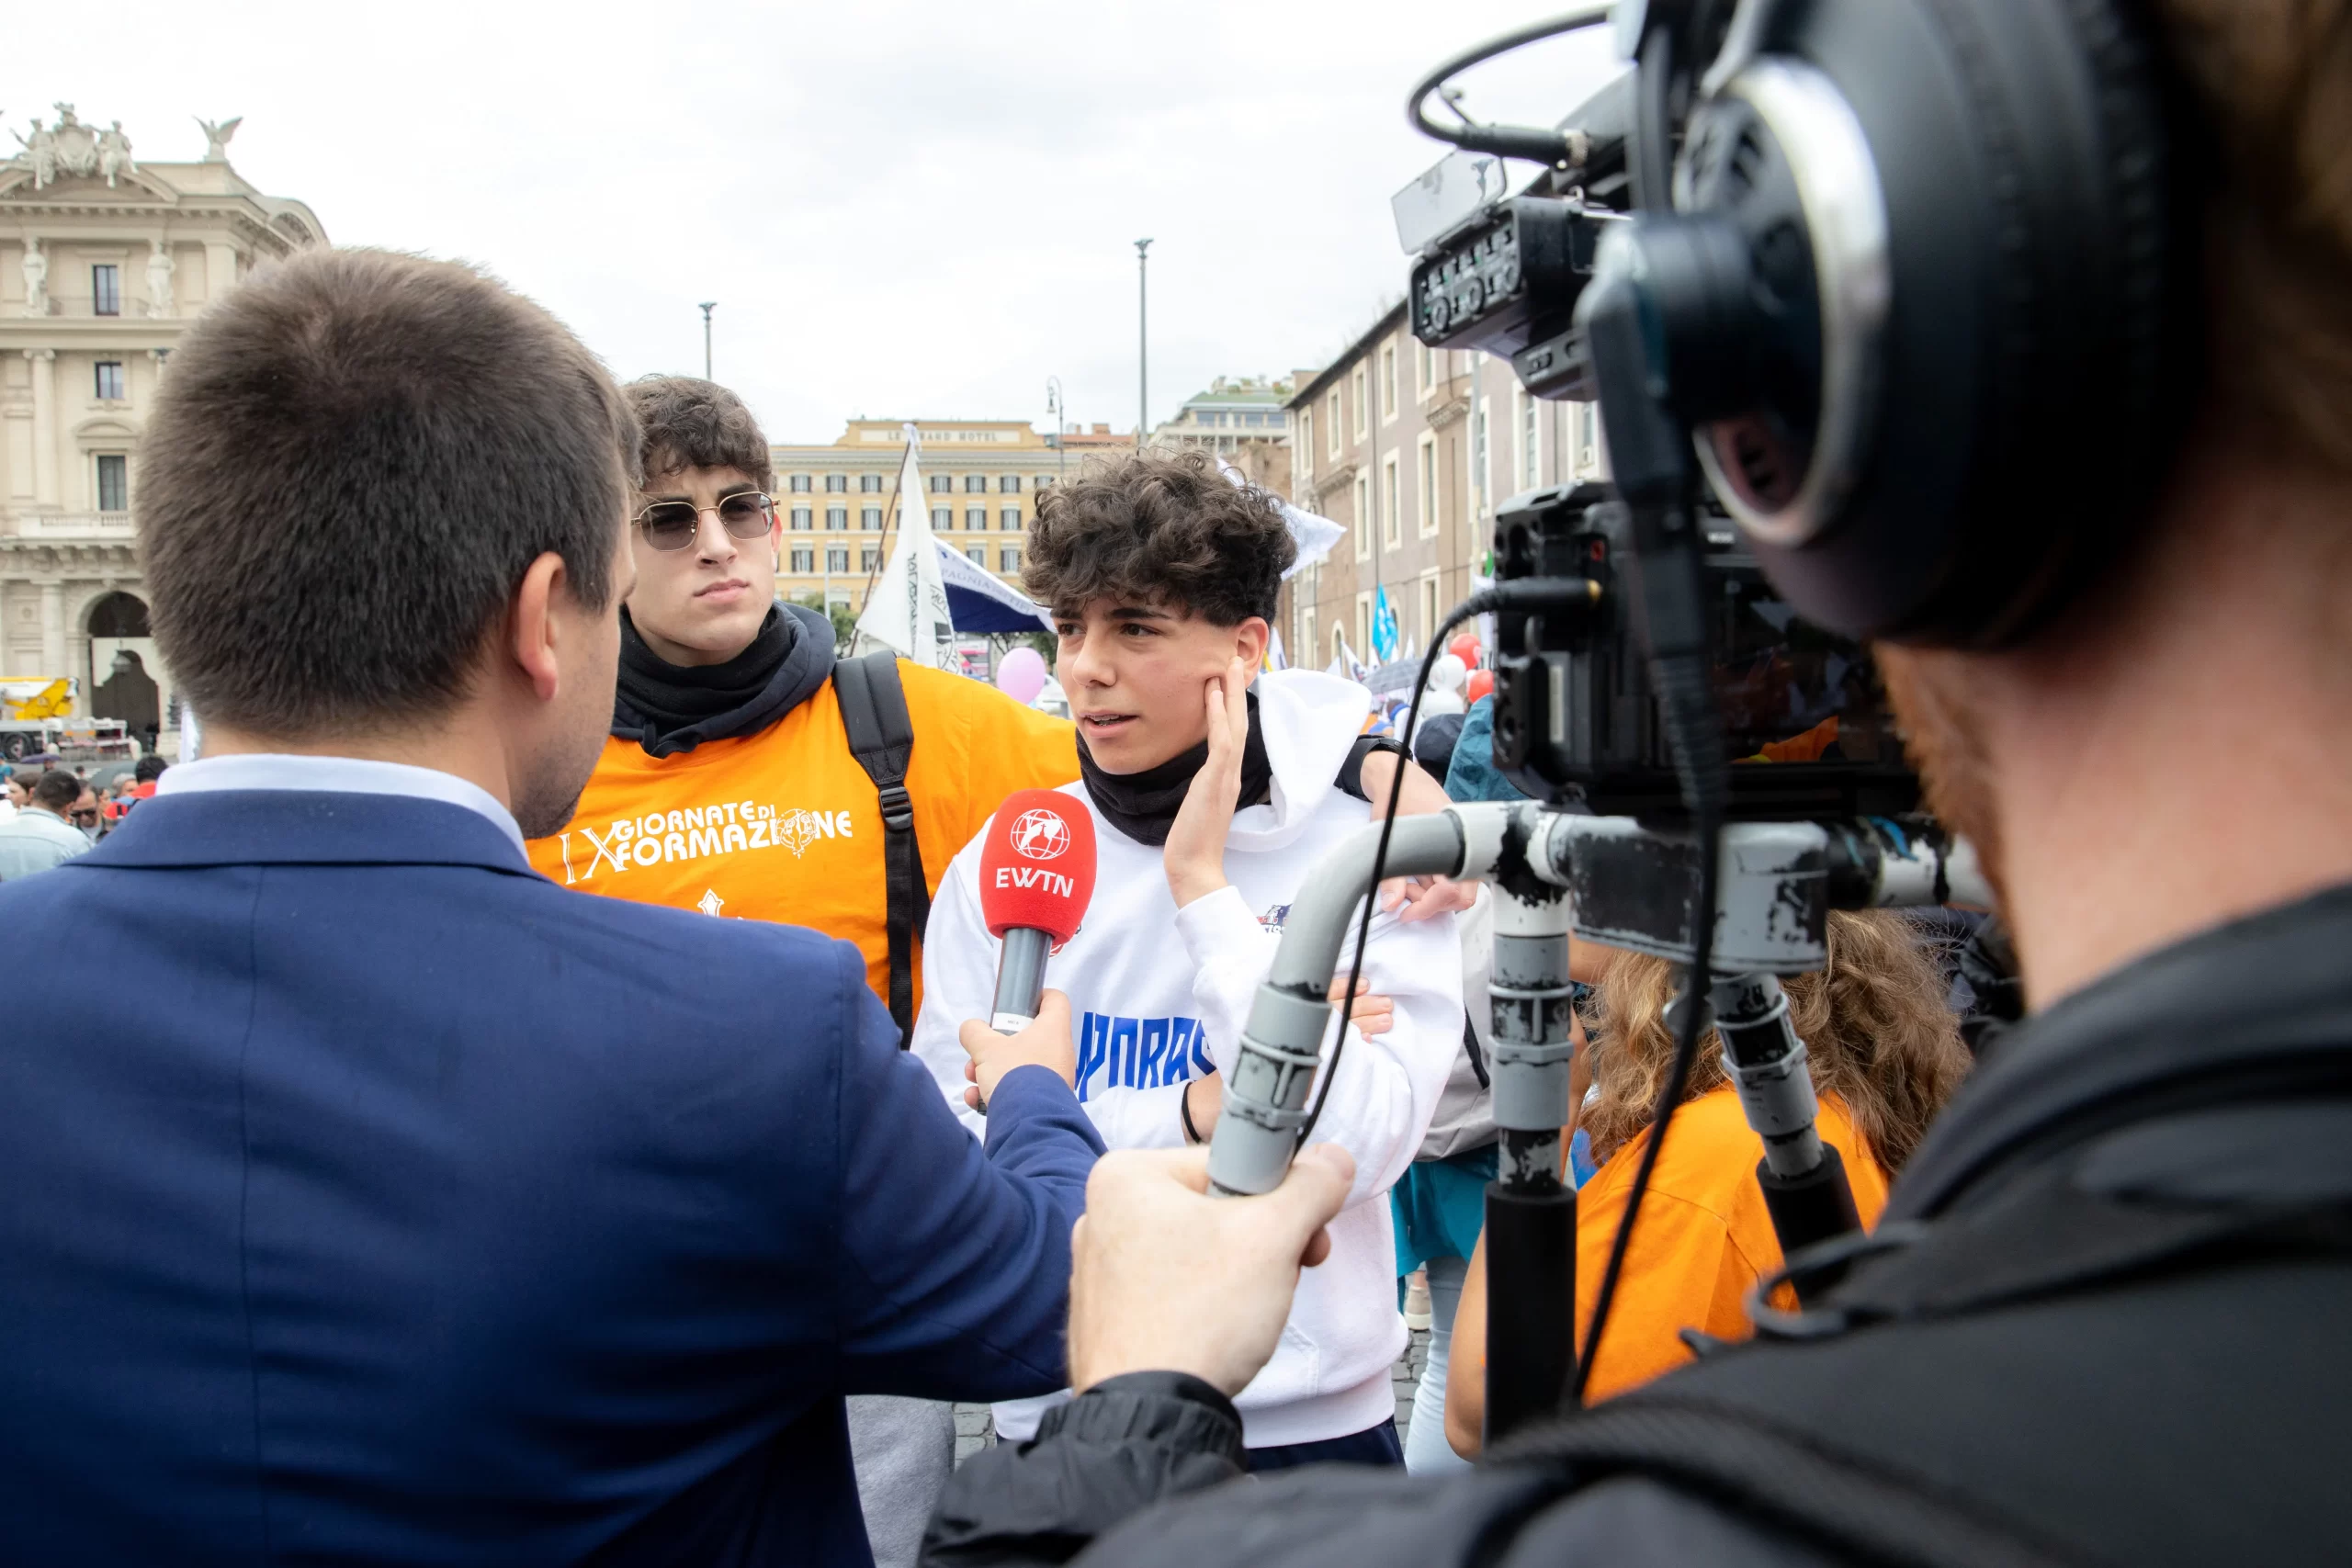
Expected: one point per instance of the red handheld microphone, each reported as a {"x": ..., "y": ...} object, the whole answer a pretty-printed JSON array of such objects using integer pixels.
[{"x": 1037, "y": 878}]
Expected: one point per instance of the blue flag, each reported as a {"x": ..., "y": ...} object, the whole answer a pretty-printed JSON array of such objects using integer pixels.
[{"x": 1384, "y": 625}]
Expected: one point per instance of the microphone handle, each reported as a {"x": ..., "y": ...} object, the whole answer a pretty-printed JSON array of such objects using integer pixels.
[{"x": 1020, "y": 979}]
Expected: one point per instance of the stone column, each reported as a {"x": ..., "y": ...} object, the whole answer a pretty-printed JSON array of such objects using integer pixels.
[
  {"x": 52, "y": 630},
  {"x": 44, "y": 362},
  {"x": 220, "y": 272}
]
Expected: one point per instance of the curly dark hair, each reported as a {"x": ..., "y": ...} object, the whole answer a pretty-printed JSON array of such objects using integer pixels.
[
  {"x": 1167, "y": 528},
  {"x": 693, "y": 423}
]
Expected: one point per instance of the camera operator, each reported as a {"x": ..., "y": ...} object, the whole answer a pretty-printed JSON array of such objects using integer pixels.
[{"x": 2134, "y": 1351}]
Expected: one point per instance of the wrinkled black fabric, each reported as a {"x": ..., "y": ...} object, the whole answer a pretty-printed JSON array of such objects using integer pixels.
[
  {"x": 668, "y": 708},
  {"x": 1144, "y": 806},
  {"x": 1988, "y": 967},
  {"x": 1111, "y": 1452},
  {"x": 2100, "y": 1418}
]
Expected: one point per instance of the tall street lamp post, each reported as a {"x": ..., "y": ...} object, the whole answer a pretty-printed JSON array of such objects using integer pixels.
[
  {"x": 707, "y": 307},
  {"x": 1143, "y": 342},
  {"x": 1054, "y": 406}
]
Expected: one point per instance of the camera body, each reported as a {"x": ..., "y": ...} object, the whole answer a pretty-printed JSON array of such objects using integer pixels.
[
  {"x": 1508, "y": 283},
  {"x": 1811, "y": 735}
]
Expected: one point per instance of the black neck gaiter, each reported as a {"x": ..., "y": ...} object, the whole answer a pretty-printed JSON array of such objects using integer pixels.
[
  {"x": 1144, "y": 806},
  {"x": 668, "y": 708}
]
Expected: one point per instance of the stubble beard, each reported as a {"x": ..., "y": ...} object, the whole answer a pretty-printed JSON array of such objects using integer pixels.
[
  {"x": 546, "y": 800},
  {"x": 1944, "y": 735}
]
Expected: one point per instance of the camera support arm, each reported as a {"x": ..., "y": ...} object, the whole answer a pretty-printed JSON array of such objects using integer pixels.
[
  {"x": 1265, "y": 1095},
  {"x": 1530, "y": 1212}
]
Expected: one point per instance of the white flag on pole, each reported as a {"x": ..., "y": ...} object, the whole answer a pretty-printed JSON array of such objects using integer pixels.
[
  {"x": 1313, "y": 536},
  {"x": 907, "y": 609}
]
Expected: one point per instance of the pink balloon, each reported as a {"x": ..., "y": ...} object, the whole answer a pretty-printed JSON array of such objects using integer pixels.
[{"x": 1020, "y": 674}]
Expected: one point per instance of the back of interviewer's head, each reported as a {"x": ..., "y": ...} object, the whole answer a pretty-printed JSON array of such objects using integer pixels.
[{"x": 352, "y": 462}]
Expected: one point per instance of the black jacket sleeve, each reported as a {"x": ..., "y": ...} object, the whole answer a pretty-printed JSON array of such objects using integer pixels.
[
  {"x": 1123, "y": 1463},
  {"x": 1114, "y": 1451}
]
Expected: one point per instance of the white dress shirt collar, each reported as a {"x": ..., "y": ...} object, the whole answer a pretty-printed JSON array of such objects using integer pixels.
[{"x": 339, "y": 775}]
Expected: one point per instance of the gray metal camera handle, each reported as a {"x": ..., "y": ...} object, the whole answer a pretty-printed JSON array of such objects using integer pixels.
[{"x": 1617, "y": 882}]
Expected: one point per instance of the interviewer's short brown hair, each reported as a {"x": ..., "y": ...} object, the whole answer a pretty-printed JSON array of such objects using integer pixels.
[
  {"x": 1167, "y": 528},
  {"x": 353, "y": 459}
]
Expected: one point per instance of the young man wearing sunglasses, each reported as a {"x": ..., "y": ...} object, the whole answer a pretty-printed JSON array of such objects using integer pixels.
[{"x": 729, "y": 785}]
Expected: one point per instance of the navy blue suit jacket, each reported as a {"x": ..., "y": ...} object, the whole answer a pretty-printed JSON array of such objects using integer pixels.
[{"x": 367, "y": 1197}]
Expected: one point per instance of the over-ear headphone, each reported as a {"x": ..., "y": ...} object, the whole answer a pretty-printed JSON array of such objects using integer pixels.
[{"x": 1971, "y": 326}]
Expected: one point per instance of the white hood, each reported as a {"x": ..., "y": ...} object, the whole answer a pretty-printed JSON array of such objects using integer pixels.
[
  {"x": 1159, "y": 995},
  {"x": 1307, "y": 720}
]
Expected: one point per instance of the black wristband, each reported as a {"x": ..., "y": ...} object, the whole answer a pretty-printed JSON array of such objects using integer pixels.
[
  {"x": 1185, "y": 1113},
  {"x": 1351, "y": 775}
]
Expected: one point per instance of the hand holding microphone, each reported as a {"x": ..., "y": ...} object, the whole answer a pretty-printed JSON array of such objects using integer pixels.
[
  {"x": 1045, "y": 1043},
  {"x": 1037, "y": 878}
]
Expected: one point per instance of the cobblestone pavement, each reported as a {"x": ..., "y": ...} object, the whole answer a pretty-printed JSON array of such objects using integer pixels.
[{"x": 975, "y": 1432}]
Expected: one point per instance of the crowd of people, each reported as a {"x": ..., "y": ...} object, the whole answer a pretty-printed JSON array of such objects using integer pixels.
[
  {"x": 533, "y": 1094},
  {"x": 54, "y": 813}
]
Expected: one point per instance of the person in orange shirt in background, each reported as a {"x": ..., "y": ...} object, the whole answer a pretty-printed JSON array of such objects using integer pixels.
[
  {"x": 729, "y": 785},
  {"x": 1885, "y": 1054}
]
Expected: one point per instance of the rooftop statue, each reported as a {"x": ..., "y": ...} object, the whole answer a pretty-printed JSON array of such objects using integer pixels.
[{"x": 216, "y": 137}]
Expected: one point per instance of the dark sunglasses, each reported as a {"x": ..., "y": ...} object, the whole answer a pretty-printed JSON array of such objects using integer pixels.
[
  {"x": 89, "y": 815},
  {"x": 673, "y": 524}
]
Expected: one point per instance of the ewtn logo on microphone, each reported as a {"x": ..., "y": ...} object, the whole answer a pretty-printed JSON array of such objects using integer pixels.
[{"x": 1038, "y": 877}]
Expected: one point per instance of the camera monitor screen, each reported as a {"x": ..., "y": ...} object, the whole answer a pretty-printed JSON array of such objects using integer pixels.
[{"x": 1806, "y": 722}]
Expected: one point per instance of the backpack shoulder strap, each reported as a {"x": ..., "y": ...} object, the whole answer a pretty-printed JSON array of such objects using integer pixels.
[{"x": 882, "y": 739}]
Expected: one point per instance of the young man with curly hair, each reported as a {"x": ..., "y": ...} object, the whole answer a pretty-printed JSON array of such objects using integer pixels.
[{"x": 1215, "y": 789}]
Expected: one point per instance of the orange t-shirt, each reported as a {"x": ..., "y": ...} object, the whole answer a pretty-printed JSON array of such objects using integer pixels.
[
  {"x": 1703, "y": 1239},
  {"x": 785, "y": 825}
]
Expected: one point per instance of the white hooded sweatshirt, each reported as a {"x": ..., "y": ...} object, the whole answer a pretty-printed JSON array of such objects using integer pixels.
[{"x": 1159, "y": 996}]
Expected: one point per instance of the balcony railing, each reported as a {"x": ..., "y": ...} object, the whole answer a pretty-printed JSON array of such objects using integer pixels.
[{"x": 75, "y": 525}]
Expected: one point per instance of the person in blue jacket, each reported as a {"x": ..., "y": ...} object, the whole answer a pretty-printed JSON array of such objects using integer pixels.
[{"x": 376, "y": 1200}]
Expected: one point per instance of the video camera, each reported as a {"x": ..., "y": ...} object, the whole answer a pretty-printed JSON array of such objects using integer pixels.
[
  {"x": 1681, "y": 682},
  {"x": 1805, "y": 717}
]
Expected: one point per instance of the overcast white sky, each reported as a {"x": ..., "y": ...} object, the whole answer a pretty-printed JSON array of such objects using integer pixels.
[{"x": 914, "y": 208}]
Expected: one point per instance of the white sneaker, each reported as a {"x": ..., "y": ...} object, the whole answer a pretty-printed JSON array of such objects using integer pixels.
[{"x": 1416, "y": 1299}]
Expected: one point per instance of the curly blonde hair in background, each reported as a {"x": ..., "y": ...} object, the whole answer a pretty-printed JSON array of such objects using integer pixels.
[{"x": 1877, "y": 1033}]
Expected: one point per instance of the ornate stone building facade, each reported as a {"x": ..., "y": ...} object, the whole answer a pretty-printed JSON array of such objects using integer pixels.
[{"x": 103, "y": 259}]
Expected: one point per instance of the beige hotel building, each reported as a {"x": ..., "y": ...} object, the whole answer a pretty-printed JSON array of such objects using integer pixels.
[{"x": 981, "y": 483}]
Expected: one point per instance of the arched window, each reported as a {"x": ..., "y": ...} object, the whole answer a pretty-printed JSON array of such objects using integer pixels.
[{"x": 118, "y": 614}]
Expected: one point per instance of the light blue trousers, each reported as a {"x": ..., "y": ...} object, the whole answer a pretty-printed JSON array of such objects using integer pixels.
[{"x": 1426, "y": 1449}]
